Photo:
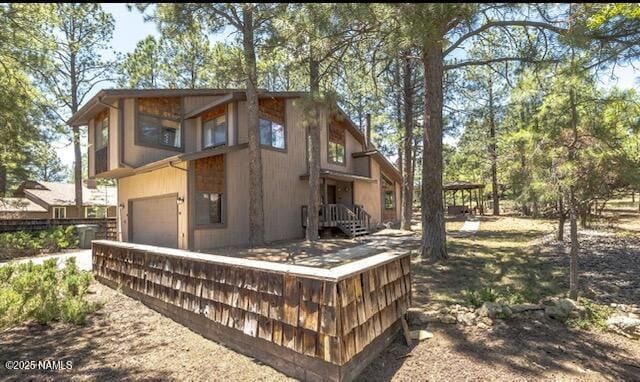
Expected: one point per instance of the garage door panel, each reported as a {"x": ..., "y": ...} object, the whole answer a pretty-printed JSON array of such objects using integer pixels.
[{"x": 154, "y": 221}]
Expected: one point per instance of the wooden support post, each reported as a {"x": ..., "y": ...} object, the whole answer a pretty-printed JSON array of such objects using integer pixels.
[
  {"x": 326, "y": 192},
  {"x": 405, "y": 331}
]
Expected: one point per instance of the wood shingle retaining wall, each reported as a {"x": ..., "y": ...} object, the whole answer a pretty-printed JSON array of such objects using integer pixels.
[{"x": 310, "y": 323}]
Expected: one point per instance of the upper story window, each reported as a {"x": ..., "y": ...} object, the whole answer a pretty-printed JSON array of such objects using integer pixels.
[
  {"x": 272, "y": 125},
  {"x": 102, "y": 130},
  {"x": 389, "y": 193},
  {"x": 159, "y": 122},
  {"x": 271, "y": 134},
  {"x": 59, "y": 212},
  {"x": 336, "y": 144},
  {"x": 389, "y": 200},
  {"x": 214, "y": 127}
]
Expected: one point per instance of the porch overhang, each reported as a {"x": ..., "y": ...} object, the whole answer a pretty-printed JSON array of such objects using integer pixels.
[
  {"x": 180, "y": 158},
  {"x": 343, "y": 176}
]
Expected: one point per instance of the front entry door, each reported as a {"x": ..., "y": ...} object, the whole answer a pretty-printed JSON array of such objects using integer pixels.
[{"x": 331, "y": 194}]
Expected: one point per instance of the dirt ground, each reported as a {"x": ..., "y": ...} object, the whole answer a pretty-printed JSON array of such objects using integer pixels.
[{"x": 127, "y": 340}]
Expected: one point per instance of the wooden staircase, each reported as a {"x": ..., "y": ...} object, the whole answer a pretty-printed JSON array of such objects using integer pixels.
[
  {"x": 353, "y": 229},
  {"x": 352, "y": 220}
]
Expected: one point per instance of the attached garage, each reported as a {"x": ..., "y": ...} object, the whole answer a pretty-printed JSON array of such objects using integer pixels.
[{"x": 154, "y": 221}]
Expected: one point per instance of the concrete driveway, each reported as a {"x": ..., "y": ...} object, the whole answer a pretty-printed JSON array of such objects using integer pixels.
[{"x": 83, "y": 259}]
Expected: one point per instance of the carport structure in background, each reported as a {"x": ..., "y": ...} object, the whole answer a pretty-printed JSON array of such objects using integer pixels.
[{"x": 471, "y": 192}]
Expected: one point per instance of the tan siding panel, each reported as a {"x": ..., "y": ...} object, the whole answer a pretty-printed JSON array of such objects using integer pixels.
[
  {"x": 368, "y": 194},
  {"x": 91, "y": 149},
  {"x": 192, "y": 103},
  {"x": 113, "y": 136},
  {"x": 163, "y": 181},
  {"x": 243, "y": 132},
  {"x": 361, "y": 166},
  {"x": 192, "y": 135},
  {"x": 284, "y": 192}
]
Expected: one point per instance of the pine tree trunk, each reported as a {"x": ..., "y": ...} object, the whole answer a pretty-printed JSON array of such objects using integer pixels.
[
  {"x": 314, "y": 150},
  {"x": 434, "y": 244},
  {"x": 3, "y": 180},
  {"x": 75, "y": 132},
  {"x": 407, "y": 179},
  {"x": 256, "y": 209},
  {"x": 575, "y": 247},
  {"x": 493, "y": 152},
  {"x": 561, "y": 218}
]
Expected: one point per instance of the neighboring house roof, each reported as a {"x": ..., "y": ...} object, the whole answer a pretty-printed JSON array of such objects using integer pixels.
[
  {"x": 19, "y": 205},
  {"x": 63, "y": 194}
]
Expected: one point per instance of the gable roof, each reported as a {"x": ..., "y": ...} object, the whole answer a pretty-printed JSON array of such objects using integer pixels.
[
  {"x": 63, "y": 194},
  {"x": 19, "y": 205}
]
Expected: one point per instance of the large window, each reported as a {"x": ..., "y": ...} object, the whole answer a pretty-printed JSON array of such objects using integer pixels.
[
  {"x": 272, "y": 134},
  {"x": 102, "y": 131},
  {"x": 214, "y": 131},
  {"x": 389, "y": 202},
  {"x": 336, "y": 153},
  {"x": 95, "y": 212},
  {"x": 208, "y": 208},
  {"x": 59, "y": 212},
  {"x": 336, "y": 137},
  {"x": 159, "y": 122}
]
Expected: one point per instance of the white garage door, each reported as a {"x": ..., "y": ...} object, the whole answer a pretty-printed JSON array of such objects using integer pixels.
[{"x": 154, "y": 221}]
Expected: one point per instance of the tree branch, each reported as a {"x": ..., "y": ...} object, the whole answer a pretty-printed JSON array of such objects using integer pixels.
[{"x": 513, "y": 23}]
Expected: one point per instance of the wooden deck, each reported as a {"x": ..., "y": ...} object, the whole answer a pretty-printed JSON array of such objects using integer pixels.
[{"x": 310, "y": 323}]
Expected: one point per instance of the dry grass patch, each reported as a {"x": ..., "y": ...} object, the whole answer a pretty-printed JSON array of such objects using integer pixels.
[{"x": 500, "y": 260}]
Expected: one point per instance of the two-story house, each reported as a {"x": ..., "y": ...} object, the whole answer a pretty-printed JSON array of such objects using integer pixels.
[{"x": 180, "y": 158}]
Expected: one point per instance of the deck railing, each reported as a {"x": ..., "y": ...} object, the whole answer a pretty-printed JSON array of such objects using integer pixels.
[{"x": 334, "y": 215}]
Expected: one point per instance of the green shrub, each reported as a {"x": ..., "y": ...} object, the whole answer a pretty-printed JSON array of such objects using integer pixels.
[
  {"x": 594, "y": 316},
  {"x": 505, "y": 294},
  {"x": 43, "y": 293},
  {"x": 30, "y": 243},
  {"x": 478, "y": 297}
]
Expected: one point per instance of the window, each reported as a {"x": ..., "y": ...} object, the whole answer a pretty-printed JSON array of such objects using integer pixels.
[
  {"x": 336, "y": 139},
  {"x": 102, "y": 132},
  {"x": 336, "y": 153},
  {"x": 59, "y": 212},
  {"x": 95, "y": 212},
  {"x": 158, "y": 123},
  {"x": 208, "y": 208},
  {"x": 271, "y": 134},
  {"x": 389, "y": 203},
  {"x": 209, "y": 190},
  {"x": 214, "y": 132}
]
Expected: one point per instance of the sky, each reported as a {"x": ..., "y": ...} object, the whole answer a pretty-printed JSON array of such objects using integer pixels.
[{"x": 131, "y": 28}]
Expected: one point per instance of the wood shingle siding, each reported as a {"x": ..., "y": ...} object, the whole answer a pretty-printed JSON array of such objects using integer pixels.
[
  {"x": 210, "y": 174},
  {"x": 273, "y": 109},
  {"x": 327, "y": 317}
]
